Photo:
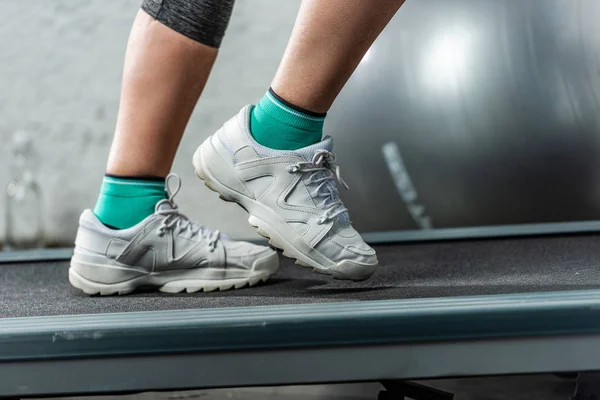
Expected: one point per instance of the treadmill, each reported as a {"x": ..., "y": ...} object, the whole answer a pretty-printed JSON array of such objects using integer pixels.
[{"x": 452, "y": 303}]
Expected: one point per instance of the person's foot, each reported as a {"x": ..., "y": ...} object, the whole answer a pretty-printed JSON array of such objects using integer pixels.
[
  {"x": 167, "y": 251},
  {"x": 291, "y": 197}
]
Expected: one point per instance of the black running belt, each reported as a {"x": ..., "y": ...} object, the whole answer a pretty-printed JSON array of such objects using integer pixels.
[{"x": 425, "y": 270}]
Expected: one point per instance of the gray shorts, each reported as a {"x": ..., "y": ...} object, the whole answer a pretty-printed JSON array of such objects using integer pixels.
[{"x": 204, "y": 21}]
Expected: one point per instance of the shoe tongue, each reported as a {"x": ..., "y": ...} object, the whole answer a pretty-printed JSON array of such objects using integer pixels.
[
  {"x": 308, "y": 152},
  {"x": 168, "y": 206},
  {"x": 165, "y": 206}
]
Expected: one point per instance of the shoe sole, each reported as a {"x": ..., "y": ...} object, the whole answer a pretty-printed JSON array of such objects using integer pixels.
[
  {"x": 308, "y": 257},
  {"x": 170, "y": 282}
]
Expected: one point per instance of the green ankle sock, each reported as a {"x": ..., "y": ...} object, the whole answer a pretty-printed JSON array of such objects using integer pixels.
[
  {"x": 279, "y": 125},
  {"x": 125, "y": 201}
]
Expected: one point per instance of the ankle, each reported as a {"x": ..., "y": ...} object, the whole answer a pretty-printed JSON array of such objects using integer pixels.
[
  {"x": 126, "y": 201},
  {"x": 277, "y": 124}
]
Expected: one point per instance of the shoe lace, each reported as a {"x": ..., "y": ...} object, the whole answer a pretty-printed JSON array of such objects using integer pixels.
[
  {"x": 177, "y": 222},
  {"x": 325, "y": 173}
]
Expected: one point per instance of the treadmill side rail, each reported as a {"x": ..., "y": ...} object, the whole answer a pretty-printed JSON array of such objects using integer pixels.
[{"x": 301, "y": 326}]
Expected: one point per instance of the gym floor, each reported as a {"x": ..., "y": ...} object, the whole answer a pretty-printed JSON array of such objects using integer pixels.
[{"x": 547, "y": 387}]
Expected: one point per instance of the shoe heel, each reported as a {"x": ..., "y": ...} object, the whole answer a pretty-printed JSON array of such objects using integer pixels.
[
  {"x": 95, "y": 279},
  {"x": 217, "y": 173}
]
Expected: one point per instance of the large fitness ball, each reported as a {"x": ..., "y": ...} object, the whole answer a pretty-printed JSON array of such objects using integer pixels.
[{"x": 474, "y": 113}]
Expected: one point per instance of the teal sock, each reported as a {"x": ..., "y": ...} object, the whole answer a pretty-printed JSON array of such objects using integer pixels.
[
  {"x": 279, "y": 125},
  {"x": 125, "y": 201}
]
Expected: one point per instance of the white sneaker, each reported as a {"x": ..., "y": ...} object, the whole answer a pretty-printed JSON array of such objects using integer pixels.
[
  {"x": 166, "y": 250},
  {"x": 291, "y": 196}
]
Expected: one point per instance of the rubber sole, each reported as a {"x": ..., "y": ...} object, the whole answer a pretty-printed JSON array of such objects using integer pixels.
[
  {"x": 344, "y": 270},
  {"x": 169, "y": 282}
]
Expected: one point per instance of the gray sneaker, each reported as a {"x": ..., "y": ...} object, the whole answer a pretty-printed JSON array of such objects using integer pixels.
[
  {"x": 166, "y": 250},
  {"x": 291, "y": 196}
]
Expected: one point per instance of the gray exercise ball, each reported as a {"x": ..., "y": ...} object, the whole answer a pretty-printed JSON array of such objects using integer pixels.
[{"x": 474, "y": 113}]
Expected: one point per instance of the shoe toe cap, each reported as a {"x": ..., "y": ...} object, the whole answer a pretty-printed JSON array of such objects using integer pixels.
[
  {"x": 361, "y": 253},
  {"x": 345, "y": 243},
  {"x": 353, "y": 259}
]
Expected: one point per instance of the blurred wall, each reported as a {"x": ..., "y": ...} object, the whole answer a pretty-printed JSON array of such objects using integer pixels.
[{"x": 60, "y": 72}]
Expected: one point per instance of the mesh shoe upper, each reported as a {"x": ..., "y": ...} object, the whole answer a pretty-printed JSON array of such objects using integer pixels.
[
  {"x": 165, "y": 240},
  {"x": 301, "y": 187}
]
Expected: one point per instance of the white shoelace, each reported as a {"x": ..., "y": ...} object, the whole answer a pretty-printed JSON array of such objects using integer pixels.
[
  {"x": 323, "y": 171},
  {"x": 178, "y": 222}
]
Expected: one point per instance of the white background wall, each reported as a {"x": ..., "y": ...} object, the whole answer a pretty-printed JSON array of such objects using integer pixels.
[{"x": 60, "y": 72}]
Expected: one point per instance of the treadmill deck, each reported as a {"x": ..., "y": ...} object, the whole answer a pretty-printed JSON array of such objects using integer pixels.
[{"x": 415, "y": 270}]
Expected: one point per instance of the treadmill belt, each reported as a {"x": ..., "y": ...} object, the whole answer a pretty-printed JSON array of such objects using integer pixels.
[{"x": 440, "y": 269}]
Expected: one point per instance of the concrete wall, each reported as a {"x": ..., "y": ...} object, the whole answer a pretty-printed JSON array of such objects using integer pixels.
[{"x": 60, "y": 71}]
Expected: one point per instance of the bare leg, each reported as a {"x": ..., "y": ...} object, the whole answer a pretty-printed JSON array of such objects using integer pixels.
[
  {"x": 291, "y": 195},
  {"x": 164, "y": 75},
  {"x": 328, "y": 41}
]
